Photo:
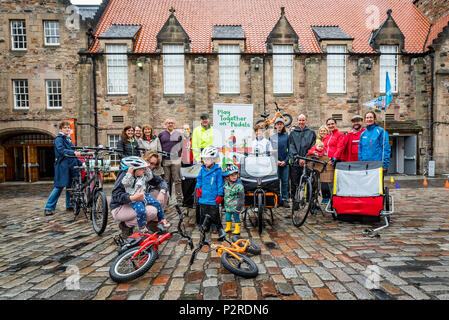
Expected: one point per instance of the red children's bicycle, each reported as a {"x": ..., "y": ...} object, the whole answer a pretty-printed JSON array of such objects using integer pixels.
[{"x": 139, "y": 252}]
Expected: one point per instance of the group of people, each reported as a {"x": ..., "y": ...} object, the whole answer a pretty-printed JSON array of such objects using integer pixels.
[
  {"x": 141, "y": 190},
  {"x": 369, "y": 143}
]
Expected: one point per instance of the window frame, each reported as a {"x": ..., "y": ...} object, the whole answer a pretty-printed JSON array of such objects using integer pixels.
[
  {"x": 384, "y": 68},
  {"x": 172, "y": 68},
  {"x": 282, "y": 67},
  {"x": 115, "y": 160},
  {"x": 229, "y": 68},
  {"x": 49, "y": 94},
  {"x": 116, "y": 69},
  {"x": 332, "y": 66},
  {"x": 50, "y": 28},
  {"x": 25, "y": 94},
  {"x": 23, "y": 35}
]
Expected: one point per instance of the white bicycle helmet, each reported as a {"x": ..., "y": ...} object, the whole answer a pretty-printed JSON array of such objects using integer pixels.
[
  {"x": 209, "y": 152},
  {"x": 133, "y": 161}
]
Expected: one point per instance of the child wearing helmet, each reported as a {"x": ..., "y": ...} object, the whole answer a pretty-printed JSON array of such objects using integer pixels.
[
  {"x": 135, "y": 180},
  {"x": 209, "y": 188},
  {"x": 234, "y": 197}
]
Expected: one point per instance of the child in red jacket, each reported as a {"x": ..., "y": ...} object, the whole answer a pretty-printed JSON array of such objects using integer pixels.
[{"x": 317, "y": 149}]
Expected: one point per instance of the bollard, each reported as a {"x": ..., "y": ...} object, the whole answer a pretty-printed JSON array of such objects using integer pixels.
[
  {"x": 391, "y": 179},
  {"x": 446, "y": 184},
  {"x": 424, "y": 183},
  {"x": 397, "y": 185}
]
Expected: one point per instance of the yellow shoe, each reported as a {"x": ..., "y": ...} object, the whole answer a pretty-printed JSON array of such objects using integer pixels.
[
  {"x": 228, "y": 226},
  {"x": 237, "y": 229}
]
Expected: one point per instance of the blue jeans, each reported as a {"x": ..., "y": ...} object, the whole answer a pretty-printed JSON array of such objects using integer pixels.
[
  {"x": 283, "y": 176},
  {"x": 53, "y": 199},
  {"x": 236, "y": 216},
  {"x": 139, "y": 207}
]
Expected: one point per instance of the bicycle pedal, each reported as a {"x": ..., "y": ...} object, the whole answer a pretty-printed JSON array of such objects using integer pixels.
[{"x": 118, "y": 240}]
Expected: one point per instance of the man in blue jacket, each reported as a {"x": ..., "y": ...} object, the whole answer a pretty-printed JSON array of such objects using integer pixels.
[
  {"x": 209, "y": 189},
  {"x": 64, "y": 171},
  {"x": 279, "y": 141},
  {"x": 374, "y": 142}
]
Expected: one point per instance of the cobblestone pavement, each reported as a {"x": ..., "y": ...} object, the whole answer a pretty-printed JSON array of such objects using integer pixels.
[{"x": 56, "y": 258}]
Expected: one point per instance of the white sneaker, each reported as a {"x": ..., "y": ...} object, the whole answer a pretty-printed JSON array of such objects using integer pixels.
[{"x": 164, "y": 223}]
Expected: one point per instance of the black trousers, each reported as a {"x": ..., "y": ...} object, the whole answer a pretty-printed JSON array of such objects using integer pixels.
[
  {"x": 214, "y": 213},
  {"x": 295, "y": 177}
]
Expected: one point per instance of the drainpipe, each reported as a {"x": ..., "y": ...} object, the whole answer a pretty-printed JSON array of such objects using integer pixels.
[
  {"x": 263, "y": 62},
  {"x": 432, "y": 92},
  {"x": 94, "y": 76}
]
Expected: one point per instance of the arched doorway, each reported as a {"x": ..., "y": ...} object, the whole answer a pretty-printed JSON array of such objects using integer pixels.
[{"x": 27, "y": 157}]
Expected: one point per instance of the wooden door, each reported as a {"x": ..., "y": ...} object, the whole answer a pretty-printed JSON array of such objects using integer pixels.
[{"x": 33, "y": 163}]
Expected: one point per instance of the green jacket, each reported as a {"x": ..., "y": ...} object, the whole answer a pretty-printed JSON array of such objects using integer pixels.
[
  {"x": 234, "y": 197},
  {"x": 201, "y": 138}
]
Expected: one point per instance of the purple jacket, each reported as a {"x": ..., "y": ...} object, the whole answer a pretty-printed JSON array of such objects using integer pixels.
[{"x": 171, "y": 143}]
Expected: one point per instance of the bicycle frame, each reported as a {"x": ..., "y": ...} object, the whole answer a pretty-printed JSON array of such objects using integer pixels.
[
  {"x": 235, "y": 248},
  {"x": 156, "y": 239}
]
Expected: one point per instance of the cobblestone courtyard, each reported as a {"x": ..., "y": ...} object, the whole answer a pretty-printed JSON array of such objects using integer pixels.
[{"x": 56, "y": 258}]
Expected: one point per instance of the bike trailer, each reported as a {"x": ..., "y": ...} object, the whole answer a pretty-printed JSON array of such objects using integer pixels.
[
  {"x": 188, "y": 183},
  {"x": 260, "y": 171},
  {"x": 358, "y": 192}
]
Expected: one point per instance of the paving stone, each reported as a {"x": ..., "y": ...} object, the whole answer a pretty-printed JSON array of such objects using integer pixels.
[
  {"x": 211, "y": 293},
  {"x": 303, "y": 291}
]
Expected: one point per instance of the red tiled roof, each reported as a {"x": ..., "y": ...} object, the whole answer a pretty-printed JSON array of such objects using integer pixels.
[
  {"x": 437, "y": 27},
  {"x": 258, "y": 17}
]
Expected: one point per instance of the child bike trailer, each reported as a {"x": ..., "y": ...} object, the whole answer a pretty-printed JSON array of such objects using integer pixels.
[
  {"x": 359, "y": 194},
  {"x": 188, "y": 183}
]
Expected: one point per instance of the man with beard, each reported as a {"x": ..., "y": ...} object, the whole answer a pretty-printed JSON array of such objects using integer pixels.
[
  {"x": 300, "y": 140},
  {"x": 351, "y": 143}
]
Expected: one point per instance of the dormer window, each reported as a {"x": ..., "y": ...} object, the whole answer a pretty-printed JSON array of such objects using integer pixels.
[
  {"x": 173, "y": 56},
  {"x": 282, "y": 69},
  {"x": 388, "y": 63}
]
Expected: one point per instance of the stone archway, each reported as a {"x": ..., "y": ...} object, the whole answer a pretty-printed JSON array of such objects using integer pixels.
[{"x": 26, "y": 154}]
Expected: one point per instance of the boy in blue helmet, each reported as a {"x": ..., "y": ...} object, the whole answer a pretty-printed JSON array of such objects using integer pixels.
[{"x": 209, "y": 189}]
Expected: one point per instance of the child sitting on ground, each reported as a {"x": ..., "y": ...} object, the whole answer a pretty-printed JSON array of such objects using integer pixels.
[
  {"x": 317, "y": 149},
  {"x": 135, "y": 181},
  {"x": 234, "y": 197},
  {"x": 209, "y": 189}
]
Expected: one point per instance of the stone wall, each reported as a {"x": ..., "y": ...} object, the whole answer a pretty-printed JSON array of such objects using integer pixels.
[
  {"x": 40, "y": 62},
  {"x": 433, "y": 9}
]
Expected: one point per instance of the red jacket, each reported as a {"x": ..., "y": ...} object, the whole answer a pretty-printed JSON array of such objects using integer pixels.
[
  {"x": 350, "y": 150},
  {"x": 333, "y": 144},
  {"x": 313, "y": 150}
]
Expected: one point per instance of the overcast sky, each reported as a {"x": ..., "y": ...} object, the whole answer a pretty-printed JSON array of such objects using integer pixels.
[{"x": 86, "y": 2}]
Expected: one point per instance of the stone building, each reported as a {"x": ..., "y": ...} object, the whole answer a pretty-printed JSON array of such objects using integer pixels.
[
  {"x": 176, "y": 58},
  {"x": 308, "y": 56},
  {"x": 39, "y": 82}
]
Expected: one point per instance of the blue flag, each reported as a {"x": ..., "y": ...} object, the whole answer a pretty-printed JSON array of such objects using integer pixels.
[
  {"x": 377, "y": 103},
  {"x": 388, "y": 93}
]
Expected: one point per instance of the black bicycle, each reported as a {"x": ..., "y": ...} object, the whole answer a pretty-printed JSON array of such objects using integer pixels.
[
  {"x": 306, "y": 196},
  {"x": 87, "y": 194}
]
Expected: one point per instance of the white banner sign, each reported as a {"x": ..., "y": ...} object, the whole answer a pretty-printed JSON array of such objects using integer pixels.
[{"x": 233, "y": 130}]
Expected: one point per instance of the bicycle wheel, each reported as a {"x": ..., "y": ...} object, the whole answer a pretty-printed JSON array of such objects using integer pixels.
[
  {"x": 260, "y": 211},
  {"x": 75, "y": 200},
  {"x": 259, "y": 122},
  {"x": 300, "y": 207},
  {"x": 251, "y": 248},
  {"x": 99, "y": 213},
  {"x": 125, "y": 269},
  {"x": 246, "y": 268},
  {"x": 288, "y": 119}
]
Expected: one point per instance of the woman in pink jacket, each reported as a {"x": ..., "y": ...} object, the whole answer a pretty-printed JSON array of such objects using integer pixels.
[{"x": 333, "y": 147}]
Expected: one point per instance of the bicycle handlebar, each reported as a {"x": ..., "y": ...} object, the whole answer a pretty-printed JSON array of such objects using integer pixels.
[
  {"x": 179, "y": 230},
  {"x": 309, "y": 160}
]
